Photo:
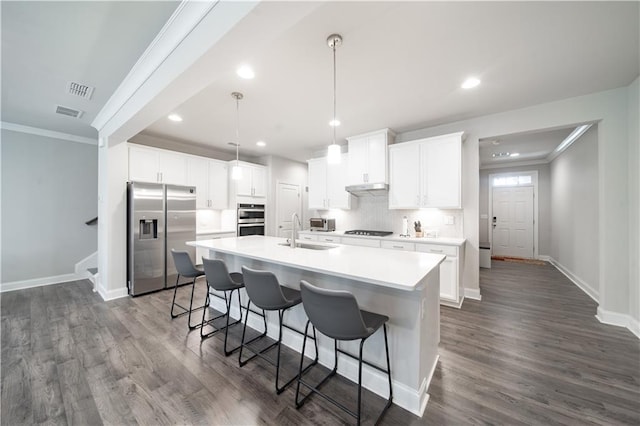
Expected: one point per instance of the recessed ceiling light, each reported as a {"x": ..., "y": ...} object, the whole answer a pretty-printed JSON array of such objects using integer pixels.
[
  {"x": 500, "y": 154},
  {"x": 334, "y": 123},
  {"x": 514, "y": 154},
  {"x": 470, "y": 83},
  {"x": 174, "y": 117},
  {"x": 245, "y": 71},
  {"x": 495, "y": 142},
  {"x": 261, "y": 143}
]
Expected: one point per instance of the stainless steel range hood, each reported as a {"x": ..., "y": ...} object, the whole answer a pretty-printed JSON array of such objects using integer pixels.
[{"x": 368, "y": 189}]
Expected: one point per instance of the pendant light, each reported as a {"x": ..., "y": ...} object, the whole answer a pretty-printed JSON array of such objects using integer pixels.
[
  {"x": 334, "y": 154},
  {"x": 236, "y": 171}
]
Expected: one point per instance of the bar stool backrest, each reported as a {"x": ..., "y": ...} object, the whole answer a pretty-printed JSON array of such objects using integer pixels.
[
  {"x": 263, "y": 289},
  {"x": 335, "y": 313},
  {"x": 184, "y": 265},
  {"x": 217, "y": 274}
]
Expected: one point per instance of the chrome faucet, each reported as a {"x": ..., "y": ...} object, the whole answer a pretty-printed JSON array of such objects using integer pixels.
[{"x": 294, "y": 219}]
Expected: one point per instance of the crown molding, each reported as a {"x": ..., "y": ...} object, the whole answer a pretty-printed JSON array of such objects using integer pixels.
[
  {"x": 513, "y": 164},
  {"x": 47, "y": 133}
]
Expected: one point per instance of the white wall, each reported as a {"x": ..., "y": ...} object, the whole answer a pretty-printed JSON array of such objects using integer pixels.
[
  {"x": 49, "y": 191},
  {"x": 544, "y": 203},
  {"x": 574, "y": 215},
  {"x": 634, "y": 199}
]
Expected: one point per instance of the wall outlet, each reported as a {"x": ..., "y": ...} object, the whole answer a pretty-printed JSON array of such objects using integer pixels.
[{"x": 449, "y": 220}]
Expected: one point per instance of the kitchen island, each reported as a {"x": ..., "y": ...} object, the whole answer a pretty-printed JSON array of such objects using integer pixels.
[{"x": 402, "y": 285}]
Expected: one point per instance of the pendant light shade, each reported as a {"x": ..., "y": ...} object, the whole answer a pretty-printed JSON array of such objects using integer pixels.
[
  {"x": 334, "y": 152},
  {"x": 236, "y": 170}
]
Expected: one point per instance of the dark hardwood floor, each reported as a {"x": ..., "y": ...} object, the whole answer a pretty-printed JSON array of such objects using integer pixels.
[{"x": 531, "y": 352}]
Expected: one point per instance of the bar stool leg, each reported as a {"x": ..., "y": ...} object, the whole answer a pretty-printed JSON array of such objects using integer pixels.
[
  {"x": 193, "y": 287},
  {"x": 360, "y": 382},
  {"x": 173, "y": 303}
]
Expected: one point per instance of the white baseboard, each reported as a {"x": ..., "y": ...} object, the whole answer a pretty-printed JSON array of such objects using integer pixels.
[
  {"x": 620, "y": 320},
  {"x": 112, "y": 294},
  {"x": 592, "y": 293},
  {"x": 544, "y": 257},
  {"x": 472, "y": 293},
  {"x": 37, "y": 282}
]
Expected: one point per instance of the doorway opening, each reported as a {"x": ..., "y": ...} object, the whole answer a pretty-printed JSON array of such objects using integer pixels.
[
  {"x": 288, "y": 201},
  {"x": 513, "y": 214}
]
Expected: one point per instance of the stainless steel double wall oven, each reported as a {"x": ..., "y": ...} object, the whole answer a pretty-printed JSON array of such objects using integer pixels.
[{"x": 250, "y": 219}]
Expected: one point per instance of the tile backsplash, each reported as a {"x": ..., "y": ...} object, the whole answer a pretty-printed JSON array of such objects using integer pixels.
[{"x": 373, "y": 213}]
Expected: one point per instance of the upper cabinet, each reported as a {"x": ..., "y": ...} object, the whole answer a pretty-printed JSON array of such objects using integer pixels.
[
  {"x": 253, "y": 182},
  {"x": 326, "y": 184},
  {"x": 157, "y": 165},
  {"x": 368, "y": 157},
  {"x": 426, "y": 173},
  {"x": 211, "y": 181}
]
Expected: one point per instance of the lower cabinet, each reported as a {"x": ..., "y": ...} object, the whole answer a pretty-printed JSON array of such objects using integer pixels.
[
  {"x": 364, "y": 242},
  {"x": 398, "y": 245},
  {"x": 451, "y": 291}
]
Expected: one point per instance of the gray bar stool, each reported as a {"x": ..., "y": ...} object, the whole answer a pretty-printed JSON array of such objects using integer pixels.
[
  {"x": 266, "y": 293},
  {"x": 185, "y": 268},
  {"x": 219, "y": 279},
  {"x": 335, "y": 313}
]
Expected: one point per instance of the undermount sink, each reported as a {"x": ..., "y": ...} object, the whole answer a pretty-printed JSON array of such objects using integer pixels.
[{"x": 310, "y": 246}]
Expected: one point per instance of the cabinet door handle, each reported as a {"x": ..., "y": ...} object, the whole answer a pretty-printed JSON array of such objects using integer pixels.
[
  {"x": 398, "y": 247},
  {"x": 435, "y": 251}
]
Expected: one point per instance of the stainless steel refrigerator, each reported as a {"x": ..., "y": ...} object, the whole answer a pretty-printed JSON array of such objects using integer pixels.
[{"x": 159, "y": 218}]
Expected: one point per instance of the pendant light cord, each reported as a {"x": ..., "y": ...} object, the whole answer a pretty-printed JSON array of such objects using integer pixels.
[
  {"x": 237, "y": 131},
  {"x": 334, "y": 93}
]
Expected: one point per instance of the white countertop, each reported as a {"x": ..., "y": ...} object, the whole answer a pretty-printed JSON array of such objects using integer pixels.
[
  {"x": 215, "y": 231},
  {"x": 402, "y": 270},
  {"x": 394, "y": 237}
]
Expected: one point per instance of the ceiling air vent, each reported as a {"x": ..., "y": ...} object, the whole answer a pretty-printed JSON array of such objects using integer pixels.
[
  {"x": 69, "y": 111},
  {"x": 81, "y": 90}
]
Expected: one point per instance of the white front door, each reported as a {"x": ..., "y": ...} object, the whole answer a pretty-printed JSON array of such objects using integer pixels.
[
  {"x": 512, "y": 221},
  {"x": 288, "y": 202}
]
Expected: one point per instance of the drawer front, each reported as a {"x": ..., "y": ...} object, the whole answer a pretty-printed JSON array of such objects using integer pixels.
[
  {"x": 438, "y": 249},
  {"x": 398, "y": 245},
  {"x": 308, "y": 237},
  {"x": 364, "y": 242},
  {"x": 329, "y": 239}
]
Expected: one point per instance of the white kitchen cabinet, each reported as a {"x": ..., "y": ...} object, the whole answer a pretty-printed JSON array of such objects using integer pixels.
[
  {"x": 211, "y": 181},
  {"x": 157, "y": 165},
  {"x": 329, "y": 239},
  {"x": 404, "y": 176},
  {"x": 398, "y": 245},
  {"x": 364, "y": 242},
  {"x": 253, "y": 182},
  {"x": 368, "y": 157},
  {"x": 326, "y": 184},
  {"x": 426, "y": 173},
  {"x": 451, "y": 291}
]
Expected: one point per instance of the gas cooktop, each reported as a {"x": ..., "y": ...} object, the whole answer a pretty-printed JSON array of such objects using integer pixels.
[{"x": 368, "y": 233}]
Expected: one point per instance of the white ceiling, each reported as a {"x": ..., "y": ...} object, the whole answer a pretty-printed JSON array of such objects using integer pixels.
[
  {"x": 531, "y": 146},
  {"x": 46, "y": 44},
  {"x": 400, "y": 66}
]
